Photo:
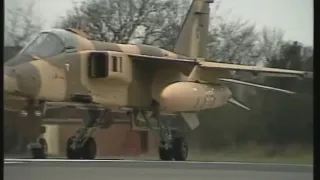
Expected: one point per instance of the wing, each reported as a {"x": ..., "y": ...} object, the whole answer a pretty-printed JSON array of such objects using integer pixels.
[
  {"x": 204, "y": 63},
  {"x": 273, "y": 72}
]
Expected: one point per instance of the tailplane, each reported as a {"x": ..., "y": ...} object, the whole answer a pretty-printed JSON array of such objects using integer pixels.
[{"x": 192, "y": 39}]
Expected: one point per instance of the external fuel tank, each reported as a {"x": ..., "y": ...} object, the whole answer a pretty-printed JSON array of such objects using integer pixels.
[{"x": 191, "y": 96}]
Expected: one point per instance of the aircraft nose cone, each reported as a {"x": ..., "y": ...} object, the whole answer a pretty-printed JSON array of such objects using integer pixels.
[
  {"x": 10, "y": 81},
  {"x": 23, "y": 79},
  {"x": 10, "y": 84}
]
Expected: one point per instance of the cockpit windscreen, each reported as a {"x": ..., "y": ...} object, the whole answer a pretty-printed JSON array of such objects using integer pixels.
[{"x": 45, "y": 45}]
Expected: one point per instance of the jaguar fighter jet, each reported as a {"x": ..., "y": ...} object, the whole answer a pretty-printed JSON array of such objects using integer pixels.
[{"x": 64, "y": 68}]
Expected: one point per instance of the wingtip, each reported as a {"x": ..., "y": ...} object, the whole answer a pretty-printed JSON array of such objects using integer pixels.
[{"x": 308, "y": 75}]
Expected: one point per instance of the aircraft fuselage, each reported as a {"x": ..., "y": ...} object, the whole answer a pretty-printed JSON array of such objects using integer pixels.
[{"x": 121, "y": 83}]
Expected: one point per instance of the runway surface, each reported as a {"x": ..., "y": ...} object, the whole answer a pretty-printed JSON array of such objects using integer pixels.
[{"x": 52, "y": 169}]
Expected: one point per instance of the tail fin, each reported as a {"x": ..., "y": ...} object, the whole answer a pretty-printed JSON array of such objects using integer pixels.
[{"x": 192, "y": 40}]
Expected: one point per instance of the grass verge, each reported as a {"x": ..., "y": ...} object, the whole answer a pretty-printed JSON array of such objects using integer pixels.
[{"x": 289, "y": 155}]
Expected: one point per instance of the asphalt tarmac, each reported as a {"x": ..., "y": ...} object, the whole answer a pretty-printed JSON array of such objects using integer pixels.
[{"x": 52, "y": 169}]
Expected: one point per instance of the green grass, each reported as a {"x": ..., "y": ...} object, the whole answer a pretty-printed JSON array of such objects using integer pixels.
[
  {"x": 291, "y": 155},
  {"x": 243, "y": 157}
]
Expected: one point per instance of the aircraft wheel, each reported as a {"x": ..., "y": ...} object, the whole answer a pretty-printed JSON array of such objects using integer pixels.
[
  {"x": 89, "y": 149},
  {"x": 165, "y": 154},
  {"x": 72, "y": 153},
  {"x": 42, "y": 152},
  {"x": 180, "y": 149}
]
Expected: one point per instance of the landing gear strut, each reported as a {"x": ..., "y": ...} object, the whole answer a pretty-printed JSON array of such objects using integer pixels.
[
  {"x": 39, "y": 149},
  {"x": 86, "y": 151},
  {"x": 38, "y": 145},
  {"x": 82, "y": 145},
  {"x": 172, "y": 145}
]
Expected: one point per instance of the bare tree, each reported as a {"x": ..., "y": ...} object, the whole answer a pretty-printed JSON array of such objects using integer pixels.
[
  {"x": 284, "y": 54},
  {"x": 271, "y": 41},
  {"x": 21, "y": 25},
  {"x": 307, "y": 54},
  {"x": 233, "y": 41},
  {"x": 145, "y": 21}
]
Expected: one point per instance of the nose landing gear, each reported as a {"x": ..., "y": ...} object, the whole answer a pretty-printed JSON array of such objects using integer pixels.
[{"x": 34, "y": 112}]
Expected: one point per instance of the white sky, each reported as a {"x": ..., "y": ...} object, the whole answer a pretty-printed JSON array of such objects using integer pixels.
[{"x": 295, "y": 17}]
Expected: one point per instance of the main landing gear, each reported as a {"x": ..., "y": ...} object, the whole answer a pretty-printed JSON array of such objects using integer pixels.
[
  {"x": 82, "y": 145},
  {"x": 39, "y": 149},
  {"x": 172, "y": 146}
]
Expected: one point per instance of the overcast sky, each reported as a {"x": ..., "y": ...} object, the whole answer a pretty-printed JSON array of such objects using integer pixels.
[{"x": 295, "y": 17}]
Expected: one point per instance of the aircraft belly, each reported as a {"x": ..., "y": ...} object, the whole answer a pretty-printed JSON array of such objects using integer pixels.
[{"x": 190, "y": 97}]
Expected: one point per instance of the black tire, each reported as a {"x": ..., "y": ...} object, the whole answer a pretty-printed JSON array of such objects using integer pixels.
[
  {"x": 165, "y": 154},
  {"x": 180, "y": 149},
  {"x": 72, "y": 153},
  {"x": 89, "y": 150},
  {"x": 42, "y": 152}
]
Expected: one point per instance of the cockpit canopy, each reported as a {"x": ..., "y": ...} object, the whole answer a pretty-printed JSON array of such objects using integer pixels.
[
  {"x": 46, "y": 44},
  {"x": 51, "y": 43}
]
